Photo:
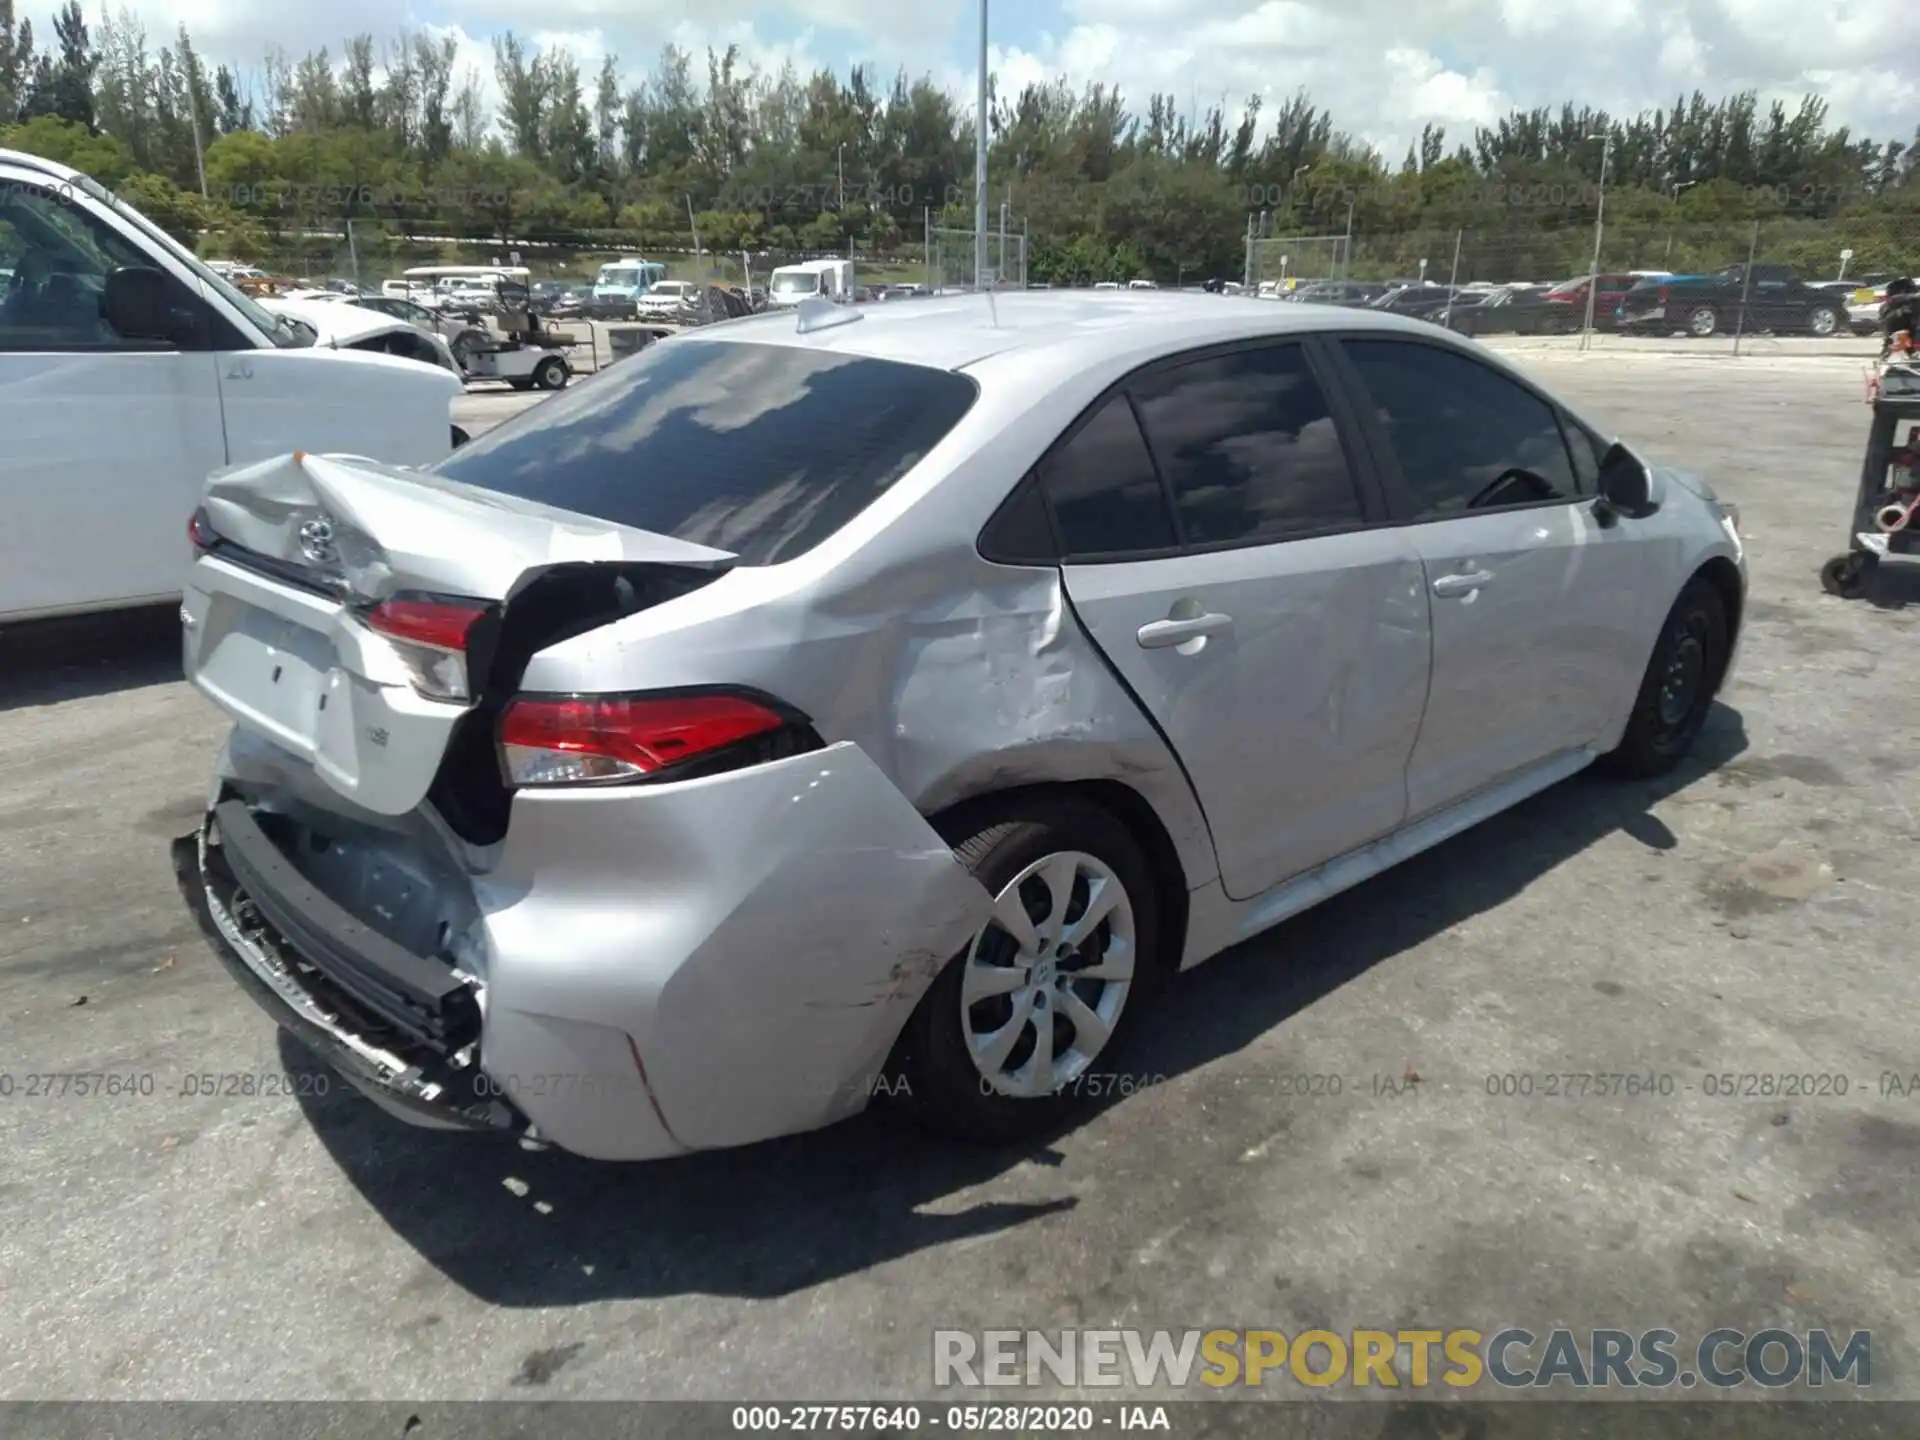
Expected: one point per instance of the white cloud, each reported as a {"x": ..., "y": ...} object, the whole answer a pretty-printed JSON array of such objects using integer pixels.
[{"x": 1382, "y": 68}]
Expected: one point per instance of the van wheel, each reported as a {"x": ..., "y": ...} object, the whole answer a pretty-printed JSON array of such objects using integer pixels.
[
  {"x": 1679, "y": 685},
  {"x": 1021, "y": 1027},
  {"x": 551, "y": 373}
]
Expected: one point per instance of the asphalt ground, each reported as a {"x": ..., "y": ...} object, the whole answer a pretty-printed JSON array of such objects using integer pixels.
[{"x": 1746, "y": 918}]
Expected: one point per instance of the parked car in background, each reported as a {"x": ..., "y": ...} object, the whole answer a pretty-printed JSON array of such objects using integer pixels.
[
  {"x": 659, "y": 779},
  {"x": 1751, "y": 298},
  {"x": 1864, "y": 302},
  {"x": 129, "y": 370},
  {"x": 1338, "y": 292},
  {"x": 463, "y": 335},
  {"x": 1511, "y": 310},
  {"x": 1610, "y": 288},
  {"x": 341, "y": 323},
  {"x": 571, "y": 302},
  {"x": 1414, "y": 299},
  {"x": 543, "y": 295},
  {"x": 666, "y": 299}
]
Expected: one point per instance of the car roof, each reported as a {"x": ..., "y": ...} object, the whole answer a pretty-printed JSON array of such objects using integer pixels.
[
  {"x": 40, "y": 163},
  {"x": 1070, "y": 329}
]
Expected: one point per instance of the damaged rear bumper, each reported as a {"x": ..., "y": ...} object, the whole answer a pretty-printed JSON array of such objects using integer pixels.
[
  {"x": 308, "y": 1004},
  {"x": 659, "y": 968}
]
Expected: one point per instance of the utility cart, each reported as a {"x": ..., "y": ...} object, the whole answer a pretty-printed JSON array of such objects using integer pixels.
[
  {"x": 1886, "y": 505},
  {"x": 524, "y": 352}
]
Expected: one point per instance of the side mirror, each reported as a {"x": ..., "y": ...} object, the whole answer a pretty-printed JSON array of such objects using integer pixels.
[
  {"x": 1628, "y": 485},
  {"x": 137, "y": 304}
]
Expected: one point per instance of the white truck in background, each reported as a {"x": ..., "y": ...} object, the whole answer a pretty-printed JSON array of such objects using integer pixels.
[
  {"x": 130, "y": 370},
  {"x": 829, "y": 279}
]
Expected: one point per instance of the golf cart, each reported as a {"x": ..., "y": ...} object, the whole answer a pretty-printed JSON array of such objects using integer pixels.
[{"x": 525, "y": 353}]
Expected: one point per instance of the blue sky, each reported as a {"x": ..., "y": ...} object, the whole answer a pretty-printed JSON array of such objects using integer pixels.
[{"x": 1384, "y": 67}]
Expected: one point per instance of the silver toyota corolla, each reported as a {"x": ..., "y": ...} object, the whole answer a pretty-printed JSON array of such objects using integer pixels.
[{"x": 888, "y": 697}]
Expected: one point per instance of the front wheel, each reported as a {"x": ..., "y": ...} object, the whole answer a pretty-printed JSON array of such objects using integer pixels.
[
  {"x": 1679, "y": 685},
  {"x": 1823, "y": 320},
  {"x": 1020, "y": 1028},
  {"x": 550, "y": 373}
]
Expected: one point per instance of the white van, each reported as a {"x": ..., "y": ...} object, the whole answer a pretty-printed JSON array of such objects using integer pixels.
[
  {"x": 829, "y": 279},
  {"x": 129, "y": 371}
]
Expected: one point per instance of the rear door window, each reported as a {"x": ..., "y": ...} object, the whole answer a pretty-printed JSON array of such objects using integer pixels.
[
  {"x": 760, "y": 450},
  {"x": 1249, "y": 448}
]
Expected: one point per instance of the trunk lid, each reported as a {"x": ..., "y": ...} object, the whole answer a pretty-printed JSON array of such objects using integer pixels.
[{"x": 299, "y": 552}]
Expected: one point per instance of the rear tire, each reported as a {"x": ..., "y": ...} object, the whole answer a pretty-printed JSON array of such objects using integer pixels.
[
  {"x": 551, "y": 373},
  {"x": 1016, "y": 852},
  {"x": 1702, "y": 322},
  {"x": 1679, "y": 685},
  {"x": 1824, "y": 321}
]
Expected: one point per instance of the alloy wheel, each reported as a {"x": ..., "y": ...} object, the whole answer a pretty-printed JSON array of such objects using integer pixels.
[{"x": 1047, "y": 976}]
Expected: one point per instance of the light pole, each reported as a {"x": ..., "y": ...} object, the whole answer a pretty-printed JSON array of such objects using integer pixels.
[
  {"x": 980, "y": 164},
  {"x": 1599, "y": 229},
  {"x": 1683, "y": 185}
]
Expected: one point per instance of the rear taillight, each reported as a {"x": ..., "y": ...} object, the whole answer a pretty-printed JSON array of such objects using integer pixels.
[
  {"x": 597, "y": 739},
  {"x": 431, "y": 636},
  {"x": 1663, "y": 294},
  {"x": 200, "y": 533}
]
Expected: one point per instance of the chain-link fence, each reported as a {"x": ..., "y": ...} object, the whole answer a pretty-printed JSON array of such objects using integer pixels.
[
  {"x": 1778, "y": 286},
  {"x": 1742, "y": 286},
  {"x": 952, "y": 260},
  {"x": 368, "y": 254},
  {"x": 1286, "y": 263}
]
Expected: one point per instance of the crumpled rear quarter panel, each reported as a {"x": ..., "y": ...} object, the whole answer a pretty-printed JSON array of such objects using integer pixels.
[{"x": 762, "y": 936}]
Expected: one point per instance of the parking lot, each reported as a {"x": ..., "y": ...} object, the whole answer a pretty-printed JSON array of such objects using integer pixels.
[{"x": 1745, "y": 918}]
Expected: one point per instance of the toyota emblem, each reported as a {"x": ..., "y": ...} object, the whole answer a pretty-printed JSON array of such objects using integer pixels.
[{"x": 316, "y": 541}]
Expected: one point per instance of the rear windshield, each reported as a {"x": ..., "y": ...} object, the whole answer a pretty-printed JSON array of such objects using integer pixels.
[{"x": 760, "y": 450}]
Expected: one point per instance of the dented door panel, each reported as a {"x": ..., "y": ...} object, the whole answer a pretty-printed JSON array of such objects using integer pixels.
[{"x": 1297, "y": 716}]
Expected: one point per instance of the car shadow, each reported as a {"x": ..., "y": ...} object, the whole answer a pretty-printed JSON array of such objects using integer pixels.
[
  {"x": 47, "y": 661},
  {"x": 522, "y": 1228}
]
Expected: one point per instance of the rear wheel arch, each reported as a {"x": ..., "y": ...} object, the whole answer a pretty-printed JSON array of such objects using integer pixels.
[{"x": 967, "y": 817}]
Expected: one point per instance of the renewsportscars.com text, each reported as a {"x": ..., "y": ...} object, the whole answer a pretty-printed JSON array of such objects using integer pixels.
[{"x": 1509, "y": 1358}]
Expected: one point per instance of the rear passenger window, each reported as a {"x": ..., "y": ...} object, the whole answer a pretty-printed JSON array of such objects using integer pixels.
[
  {"x": 1249, "y": 448},
  {"x": 1467, "y": 438},
  {"x": 1105, "y": 494}
]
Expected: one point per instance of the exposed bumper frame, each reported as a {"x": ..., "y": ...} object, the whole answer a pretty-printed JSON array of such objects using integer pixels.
[{"x": 250, "y": 955}]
